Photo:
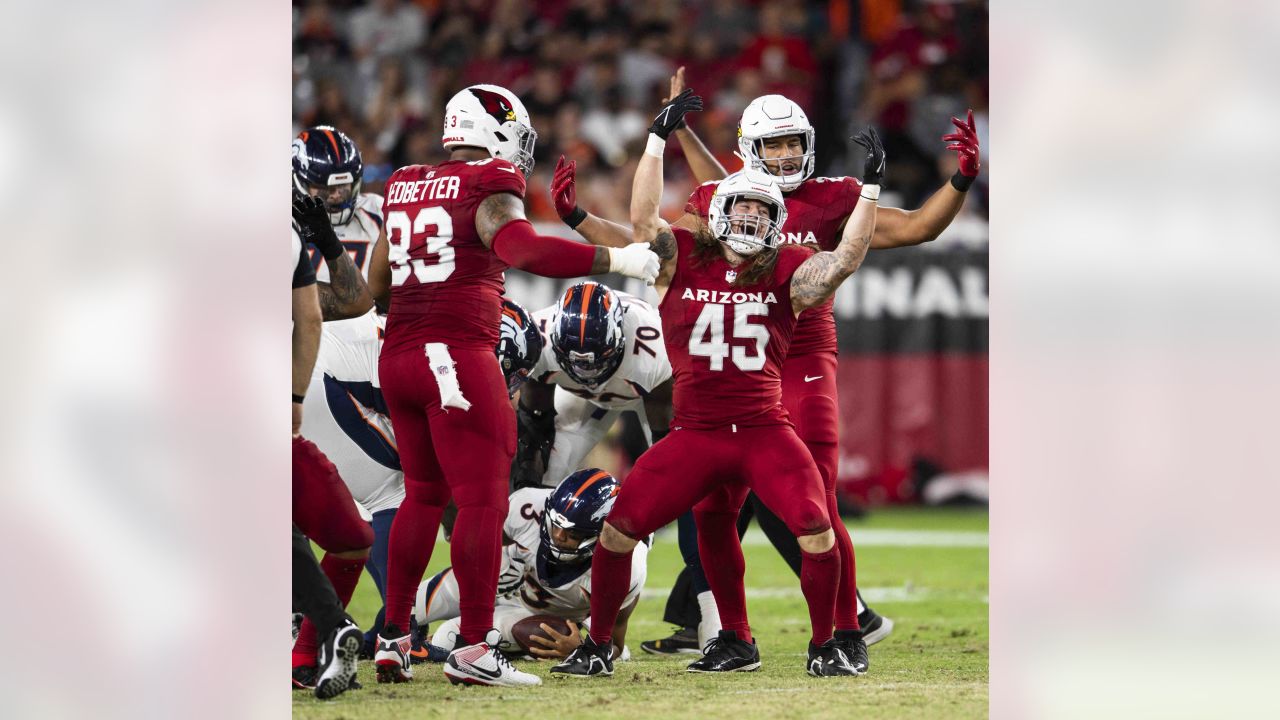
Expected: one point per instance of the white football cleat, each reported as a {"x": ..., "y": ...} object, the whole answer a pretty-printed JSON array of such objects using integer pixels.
[
  {"x": 392, "y": 655},
  {"x": 337, "y": 660},
  {"x": 483, "y": 664}
]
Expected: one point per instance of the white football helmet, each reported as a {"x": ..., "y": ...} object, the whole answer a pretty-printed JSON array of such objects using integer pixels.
[
  {"x": 753, "y": 233},
  {"x": 493, "y": 118},
  {"x": 774, "y": 116}
]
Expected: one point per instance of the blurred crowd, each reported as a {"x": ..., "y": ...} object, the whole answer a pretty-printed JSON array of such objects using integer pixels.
[{"x": 592, "y": 73}]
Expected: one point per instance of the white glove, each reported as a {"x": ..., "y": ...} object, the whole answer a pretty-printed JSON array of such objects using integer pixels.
[{"x": 635, "y": 260}]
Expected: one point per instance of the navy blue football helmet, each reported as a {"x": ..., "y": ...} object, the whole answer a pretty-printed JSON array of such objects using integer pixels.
[
  {"x": 577, "y": 506},
  {"x": 324, "y": 156},
  {"x": 519, "y": 345},
  {"x": 587, "y": 335}
]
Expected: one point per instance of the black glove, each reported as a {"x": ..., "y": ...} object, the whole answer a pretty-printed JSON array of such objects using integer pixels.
[
  {"x": 672, "y": 115},
  {"x": 873, "y": 171},
  {"x": 314, "y": 226},
  {"x": 535, "y": 434}
]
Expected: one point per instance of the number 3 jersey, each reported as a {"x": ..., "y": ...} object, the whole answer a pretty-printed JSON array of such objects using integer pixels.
[
  {"x": 557, "y": 589},
  {"x": 727, "y": 343},
  {"x": 446, "y": 286},
  {"x": 644, "y": 363}
]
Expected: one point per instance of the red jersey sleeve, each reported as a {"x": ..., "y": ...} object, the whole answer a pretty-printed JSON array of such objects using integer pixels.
[
  {"x": 498, "y": 176},
  {"x": 845, "y": 194},
  {"x": 700, "y": 200}
]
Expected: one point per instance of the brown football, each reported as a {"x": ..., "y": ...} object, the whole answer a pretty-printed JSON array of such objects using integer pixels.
[{"x": 527, "y": 628}]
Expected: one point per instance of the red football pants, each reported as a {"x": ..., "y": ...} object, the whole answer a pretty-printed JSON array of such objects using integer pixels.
[
  {"x": 809, "y": 395},
  {"x": 712, "y": 471},
  {"x": 449, "y": 452}
]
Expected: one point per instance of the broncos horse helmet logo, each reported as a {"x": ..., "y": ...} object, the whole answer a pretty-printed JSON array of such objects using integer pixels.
[{"x": 494, "y": 104}]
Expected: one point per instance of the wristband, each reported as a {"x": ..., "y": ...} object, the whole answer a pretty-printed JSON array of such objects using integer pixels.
[
  {"x": 870, "y": 192},
  {"x": 656, "y": 146},
  {"x": 575, "y": 218},
  {"x": 297, "y": 398},
  {"x": 961, "y": 182}
]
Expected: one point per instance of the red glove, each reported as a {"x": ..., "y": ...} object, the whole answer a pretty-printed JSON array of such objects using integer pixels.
[
  {"x": 564, "y": 194},
  {"x": 965, "y": 144}
]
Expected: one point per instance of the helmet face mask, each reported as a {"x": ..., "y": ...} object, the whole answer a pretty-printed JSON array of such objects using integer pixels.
[
  {"x": 587, "y": 335},
  {"x": 492, "y": 118},
  {"x": 576, "y": 511},
  {"x": 734, "y": 215},
  {"x": 325, "y": 160},
  {"x": 774, "y": 116}
]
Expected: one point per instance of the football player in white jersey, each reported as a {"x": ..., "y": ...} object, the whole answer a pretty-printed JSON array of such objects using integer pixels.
[
  {"x": 549, "y": 537},
  {"x": 604, "y": 351},
  {"x": 327, "y": 165}
]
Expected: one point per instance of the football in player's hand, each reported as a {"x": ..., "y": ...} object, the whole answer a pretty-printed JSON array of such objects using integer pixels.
[{"x": 524, "y": 630}]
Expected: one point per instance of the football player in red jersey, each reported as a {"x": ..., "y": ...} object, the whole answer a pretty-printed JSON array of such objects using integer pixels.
[
  {"x": 450, "y": 232},
  {"x": 730, "y": 298},
  {"x": 776, "y": 136}
]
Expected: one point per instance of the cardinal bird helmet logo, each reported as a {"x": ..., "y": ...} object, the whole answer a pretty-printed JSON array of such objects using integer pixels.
[{"x": 494, "y": 104}]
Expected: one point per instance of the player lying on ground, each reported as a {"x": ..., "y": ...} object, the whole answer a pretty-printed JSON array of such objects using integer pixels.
[
  {"x": 604, "y": 355},
  {"x": 549, "y": 536},
  {"x": 451, "y": 231},
  {"x": 730, "y": 298}
]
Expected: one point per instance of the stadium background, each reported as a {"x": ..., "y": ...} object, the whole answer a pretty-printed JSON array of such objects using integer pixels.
[{"x": 912, "y": 322}]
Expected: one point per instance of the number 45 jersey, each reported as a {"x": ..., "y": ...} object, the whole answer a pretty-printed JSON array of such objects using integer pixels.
[
  {"x": 446, "y": 286},
  {"x": 644, "y": 362},
  {"x": 727, "y": 343}
]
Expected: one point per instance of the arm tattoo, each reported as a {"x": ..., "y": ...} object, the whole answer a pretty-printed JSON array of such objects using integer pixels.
[
  {"x": 341, "y": 296},
  {"x": 495, "y": 211},
  {"x": 664, "y": 244},
  {"x": 810, "y": 284}
]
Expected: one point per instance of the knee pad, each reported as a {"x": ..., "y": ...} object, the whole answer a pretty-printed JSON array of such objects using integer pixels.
[
  {"x": 431, "y": 494},
  {"x": 809, "y": 519}
]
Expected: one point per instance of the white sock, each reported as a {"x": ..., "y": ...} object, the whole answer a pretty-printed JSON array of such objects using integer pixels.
[
  {"x": 710, "y": 625},
  {"x": 858, "y": 604}
]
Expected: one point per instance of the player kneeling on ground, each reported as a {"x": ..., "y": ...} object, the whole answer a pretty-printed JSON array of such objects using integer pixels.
[{"x": 545, "y": 587}]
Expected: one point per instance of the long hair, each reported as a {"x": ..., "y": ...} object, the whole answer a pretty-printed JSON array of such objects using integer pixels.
[{"x": 706, "y": 248}]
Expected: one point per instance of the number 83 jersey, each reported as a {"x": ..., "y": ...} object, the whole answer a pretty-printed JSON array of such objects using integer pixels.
[
  {"x": 446, "y": 286},
  {"x": 726, "y": 342}
]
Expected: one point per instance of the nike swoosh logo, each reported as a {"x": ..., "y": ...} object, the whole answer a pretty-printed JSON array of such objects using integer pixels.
[
  {"x": 510, "y": 170},
  {"x": 811, "y": 379},
  {"x": 491, "y": 674}
]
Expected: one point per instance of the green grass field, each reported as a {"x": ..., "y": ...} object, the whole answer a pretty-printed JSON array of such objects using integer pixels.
[{"x": 926, "y": 569}]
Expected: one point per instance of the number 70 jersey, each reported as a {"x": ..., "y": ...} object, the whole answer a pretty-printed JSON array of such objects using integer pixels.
[
  {"x": 446, "y": 286},
  {"x": 726, "y": 343}
]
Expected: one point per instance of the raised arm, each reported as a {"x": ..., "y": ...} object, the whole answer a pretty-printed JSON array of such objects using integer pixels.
[
  {"x": 564, "y": 195},
  {"x": 704, "y": 165},
  {"x": 820, "y": 275},
  {"x": 898, "y": 228},
  {"x": 345, "y": 295},
  {"x": 646, "y": 188},
  {"x": 502, "y": 226}
]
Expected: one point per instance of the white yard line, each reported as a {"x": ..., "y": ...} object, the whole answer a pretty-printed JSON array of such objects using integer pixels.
[{"x": 864, "y": 537}]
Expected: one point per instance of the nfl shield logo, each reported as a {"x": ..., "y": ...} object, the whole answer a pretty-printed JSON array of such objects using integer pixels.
[{"x": 730, "y": 275}]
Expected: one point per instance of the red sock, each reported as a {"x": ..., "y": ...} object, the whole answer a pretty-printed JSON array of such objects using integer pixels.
[
  {"x": 610, "y": 581},
  {"x": 846, "y": 592},
  {"x": 344, "y": 573},
  {"x": 725, "y": 568},
  {"x": 409, "y": 548},
  {"x": 819, "y": 577},
  {"x": 476, "y": 547}
]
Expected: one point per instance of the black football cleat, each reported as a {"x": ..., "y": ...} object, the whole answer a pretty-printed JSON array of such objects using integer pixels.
[
  {"x": 337, "y": 660},
  {"x": 683, "y": 640},
  {"x": 828, "y": 660},
  {"x": 587, "y": 660},
  {"x": 854, "y": 649},
  {"x": 726, "y": 653},
  {"x": 875, "y": 627}
]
